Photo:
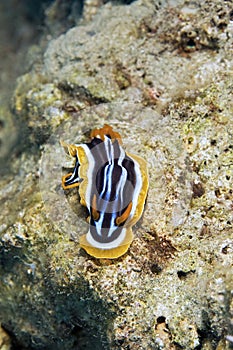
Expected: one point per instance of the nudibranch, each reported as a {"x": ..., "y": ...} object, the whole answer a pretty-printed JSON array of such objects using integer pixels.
[{"x": 113, "y": 185}]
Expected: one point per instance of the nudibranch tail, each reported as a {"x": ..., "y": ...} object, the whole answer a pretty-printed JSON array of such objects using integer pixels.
[
  {"x": 102, "y": 253},
  {"x": 113, "y": 186}
]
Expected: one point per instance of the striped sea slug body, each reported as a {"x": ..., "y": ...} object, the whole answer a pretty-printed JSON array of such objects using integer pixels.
[{"x": 113, "y": 186}]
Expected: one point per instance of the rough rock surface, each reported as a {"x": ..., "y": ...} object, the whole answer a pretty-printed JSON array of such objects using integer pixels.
[{"x": 161, "y": 73}]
